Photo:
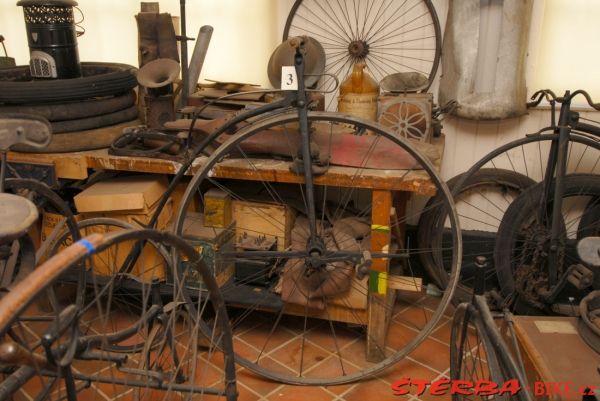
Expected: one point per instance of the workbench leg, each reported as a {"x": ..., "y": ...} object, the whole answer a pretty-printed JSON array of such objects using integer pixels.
[{"x": 380, "y": 299}]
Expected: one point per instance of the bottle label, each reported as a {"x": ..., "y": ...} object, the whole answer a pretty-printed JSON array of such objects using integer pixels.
[{"x": 362, "y": 105}]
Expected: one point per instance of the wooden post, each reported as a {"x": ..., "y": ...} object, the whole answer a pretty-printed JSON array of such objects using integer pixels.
[{"x": 379, "y": 296}]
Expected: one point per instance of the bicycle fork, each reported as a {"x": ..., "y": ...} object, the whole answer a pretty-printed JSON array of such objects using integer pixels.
[{"x": 557, "y": 166}]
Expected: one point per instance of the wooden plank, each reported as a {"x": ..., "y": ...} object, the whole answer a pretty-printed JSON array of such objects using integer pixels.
[
  {"x": 379, "y": 296},
  {"x": 74, "y": 165},
  {"x": 336, "y": 313},
  {"x": 404, "y": 283}
]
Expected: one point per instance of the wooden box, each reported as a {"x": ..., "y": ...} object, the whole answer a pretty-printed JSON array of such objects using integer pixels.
[
  {"x": 128, "y": 195},
  {"x": 217, "y": 208},
  {"x": 259, "y": 218},
  {"x": 134, "y": 200},
  {"x": 209, "y": 241}
]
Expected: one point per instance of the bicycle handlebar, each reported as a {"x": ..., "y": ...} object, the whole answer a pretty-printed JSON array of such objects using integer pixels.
[{"x": 550, "y": 96}]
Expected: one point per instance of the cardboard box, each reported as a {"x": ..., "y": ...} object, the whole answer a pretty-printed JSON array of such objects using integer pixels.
[
  {"x": 260, "y": 218},
  {"x": 134, "y": 194},
  {"x": 209, "y": 242}
]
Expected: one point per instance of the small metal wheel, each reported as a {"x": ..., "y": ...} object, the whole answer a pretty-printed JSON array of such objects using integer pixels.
[
  {"x": 303, "y": 311},
  {"x": 124, "y": 334},
  {"x": 388, "y": 36}
]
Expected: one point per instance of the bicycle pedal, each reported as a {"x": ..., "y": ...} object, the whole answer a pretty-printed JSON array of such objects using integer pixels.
[{"x": 581, "y": 277}]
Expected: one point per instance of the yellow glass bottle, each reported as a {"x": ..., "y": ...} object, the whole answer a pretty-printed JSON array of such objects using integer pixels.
[{"x": 358, "y": 94}]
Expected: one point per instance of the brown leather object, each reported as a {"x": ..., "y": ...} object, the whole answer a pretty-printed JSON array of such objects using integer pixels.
[
  {"x": 313, "y": 290},
  {"x": 340, "y": 145}
]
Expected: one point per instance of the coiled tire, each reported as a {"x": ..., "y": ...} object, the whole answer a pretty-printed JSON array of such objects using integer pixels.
[
  {"x": 99, "y": 79},
  {"x": 75, "y": 110}
]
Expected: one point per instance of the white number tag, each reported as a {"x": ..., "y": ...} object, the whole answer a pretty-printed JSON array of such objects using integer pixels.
[{"x": 289, "y": 80}]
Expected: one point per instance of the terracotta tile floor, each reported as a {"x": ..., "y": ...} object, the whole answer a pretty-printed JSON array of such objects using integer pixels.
[{"x": 429, "y": 361}]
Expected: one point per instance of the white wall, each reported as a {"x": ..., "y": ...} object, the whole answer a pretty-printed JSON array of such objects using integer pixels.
[{"x": 245, "y": 33}]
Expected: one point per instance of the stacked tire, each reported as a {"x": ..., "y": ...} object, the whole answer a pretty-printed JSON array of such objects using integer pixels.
[{"x": 103, "y": 96}]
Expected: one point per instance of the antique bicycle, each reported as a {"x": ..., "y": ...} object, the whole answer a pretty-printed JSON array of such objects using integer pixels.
[
  {"x": 334, "y": 258},
  {"x": 548, "y": 199}
]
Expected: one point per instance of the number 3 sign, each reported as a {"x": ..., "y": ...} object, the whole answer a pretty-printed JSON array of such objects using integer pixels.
[{"x": 289, "y": 80}]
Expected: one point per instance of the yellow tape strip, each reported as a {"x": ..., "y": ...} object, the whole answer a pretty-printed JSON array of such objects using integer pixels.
[
  {"x": 380, "y": 228},
  {"x": 382, "y": 283}
]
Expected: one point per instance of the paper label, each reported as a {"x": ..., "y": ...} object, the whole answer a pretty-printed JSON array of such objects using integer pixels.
[
  {"x": 289, "y": 80},
  {"x": 556, "y": 327}
]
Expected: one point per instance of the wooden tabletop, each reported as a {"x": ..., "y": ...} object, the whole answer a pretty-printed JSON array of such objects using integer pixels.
[{"x": 75, "y": 165}]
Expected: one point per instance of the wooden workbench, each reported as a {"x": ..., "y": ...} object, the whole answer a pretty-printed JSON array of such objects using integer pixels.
[{"x": 390, "y": 191}]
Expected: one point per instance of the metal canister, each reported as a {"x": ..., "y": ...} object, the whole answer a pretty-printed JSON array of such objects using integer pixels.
[{"x": 52, "y": 38}]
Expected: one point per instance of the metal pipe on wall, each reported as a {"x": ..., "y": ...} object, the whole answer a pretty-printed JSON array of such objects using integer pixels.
[{"x": 197, "y": 61}]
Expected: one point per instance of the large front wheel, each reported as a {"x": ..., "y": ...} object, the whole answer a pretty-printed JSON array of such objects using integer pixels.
[{"x": 304, "y": 314}]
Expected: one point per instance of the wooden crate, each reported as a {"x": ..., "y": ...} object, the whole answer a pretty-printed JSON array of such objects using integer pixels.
[
  {"x": 554, "y": 352},
  {"x": 260, "y": 218}
]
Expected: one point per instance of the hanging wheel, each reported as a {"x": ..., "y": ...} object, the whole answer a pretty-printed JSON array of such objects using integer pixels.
[
  {"x": 307, "y": 321},
  {"x": 186, "y": 348},
  {"x": 389, "y": 36}
]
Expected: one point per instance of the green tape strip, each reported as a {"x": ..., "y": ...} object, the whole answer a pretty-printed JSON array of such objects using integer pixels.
[
  {"x": 378, "y": 282},
  {"x": 373, "y": 281},
  {"x": 380, "y": 228}
]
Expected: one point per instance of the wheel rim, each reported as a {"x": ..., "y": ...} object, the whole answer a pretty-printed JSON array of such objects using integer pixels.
[
  {"x": 387, "y": 36},
  {"x": 271, "y": 340}
]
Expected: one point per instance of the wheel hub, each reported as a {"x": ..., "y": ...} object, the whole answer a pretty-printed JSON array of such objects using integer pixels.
[
  {"x": 314, "y": 260},
  {"x": 358, "y": 49}
]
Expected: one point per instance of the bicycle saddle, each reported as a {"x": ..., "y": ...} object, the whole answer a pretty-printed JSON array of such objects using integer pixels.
[
  {"x": 17, "y": 215},
  {"x": 26, "y": 129}
]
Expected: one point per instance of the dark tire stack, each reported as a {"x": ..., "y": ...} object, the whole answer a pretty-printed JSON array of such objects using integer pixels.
[{"x": 103, "y": 96}]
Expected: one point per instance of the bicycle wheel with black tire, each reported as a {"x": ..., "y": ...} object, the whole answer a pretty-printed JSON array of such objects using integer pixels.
[
  {"x": 389, "y": 37},
  {"x": 523, "y": 240},
  {"x": 527, "y": 157},
  {"x": 98, "y": 79},
  {"x": 186, "y": 363},
  {"x": 482, "y": 184},
  {"x": 292, "y": 326}
]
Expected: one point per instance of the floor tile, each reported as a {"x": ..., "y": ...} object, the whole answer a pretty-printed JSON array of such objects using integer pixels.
[{"x": 301, "y": 393}]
